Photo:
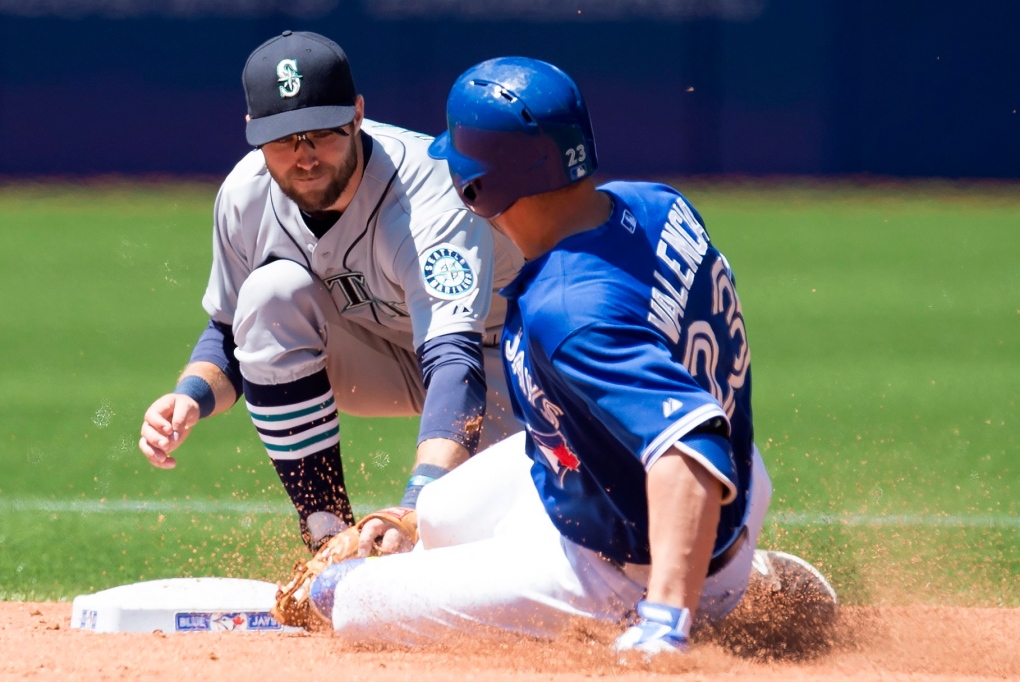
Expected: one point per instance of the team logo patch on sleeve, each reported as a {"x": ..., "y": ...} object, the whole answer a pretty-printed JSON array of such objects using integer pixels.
[{"x": 448, "y": 273}]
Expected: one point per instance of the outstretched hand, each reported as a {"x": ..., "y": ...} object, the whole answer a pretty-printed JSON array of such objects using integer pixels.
[
  {"x": 379, "y": 536},
  {"x": 166, "y": 425}
]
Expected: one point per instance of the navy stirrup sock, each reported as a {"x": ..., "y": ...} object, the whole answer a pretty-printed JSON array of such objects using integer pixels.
[{"x": 300, "y": 429}]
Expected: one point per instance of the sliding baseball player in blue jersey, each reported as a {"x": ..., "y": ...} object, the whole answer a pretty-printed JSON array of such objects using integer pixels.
[{"x": 637, "y": 489}]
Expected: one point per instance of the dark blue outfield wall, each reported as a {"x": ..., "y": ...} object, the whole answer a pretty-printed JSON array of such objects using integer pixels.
[{"x": 757, "y": 87}]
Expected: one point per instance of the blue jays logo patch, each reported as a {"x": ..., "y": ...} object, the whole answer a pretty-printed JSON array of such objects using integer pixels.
[
  {"x": 447, "y": 272},
  {"x": 558, "y": 454}
]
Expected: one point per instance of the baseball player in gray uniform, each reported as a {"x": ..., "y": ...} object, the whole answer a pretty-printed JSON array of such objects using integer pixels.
[{"x": 347, "y": 275}]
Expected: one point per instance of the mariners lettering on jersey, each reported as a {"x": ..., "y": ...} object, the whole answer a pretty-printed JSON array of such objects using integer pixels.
[
  {"x": 448, "y": 272},
  {"x": 682, "y": 246},
  {"x": 288, "y": 78},
  {"x": 355, "y": 289}
]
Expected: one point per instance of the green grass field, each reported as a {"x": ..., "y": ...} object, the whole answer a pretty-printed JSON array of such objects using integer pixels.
[{"x": 885, "y": 330}]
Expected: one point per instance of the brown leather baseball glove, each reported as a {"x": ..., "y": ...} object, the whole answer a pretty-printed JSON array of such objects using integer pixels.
[{"x": 293, "y": 604}]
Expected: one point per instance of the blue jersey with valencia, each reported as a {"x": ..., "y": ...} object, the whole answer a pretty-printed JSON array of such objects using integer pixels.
[{"x": 620, "y": 343}]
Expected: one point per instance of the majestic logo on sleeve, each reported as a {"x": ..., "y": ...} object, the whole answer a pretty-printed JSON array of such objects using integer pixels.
[
  {"x": 671, "y": 406},
  {"x": 628, "y": 221},
  {"x": 448, "y": 273},
  {"x": 288, "y": 77}
]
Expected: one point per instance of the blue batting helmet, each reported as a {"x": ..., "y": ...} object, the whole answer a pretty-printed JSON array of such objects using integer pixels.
[{"x": 516, "y": 127}]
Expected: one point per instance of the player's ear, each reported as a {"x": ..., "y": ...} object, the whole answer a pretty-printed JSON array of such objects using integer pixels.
[
  {"x": 359, "y": 113},
  {"x": 247, "y": 118}
]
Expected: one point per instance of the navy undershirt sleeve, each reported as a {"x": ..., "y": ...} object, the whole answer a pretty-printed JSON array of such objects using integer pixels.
[
  {"x": 454, "y": 375},
  {"x": 216, "y": 345}
]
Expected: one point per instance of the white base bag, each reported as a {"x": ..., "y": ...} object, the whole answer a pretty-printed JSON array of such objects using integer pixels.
[{"x": 180, "y": 605}]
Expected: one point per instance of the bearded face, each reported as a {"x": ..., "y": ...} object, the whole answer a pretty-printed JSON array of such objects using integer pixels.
[{"x": 316, "y": 187}]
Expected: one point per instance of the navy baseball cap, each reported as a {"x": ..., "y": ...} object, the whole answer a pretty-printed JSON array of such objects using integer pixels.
[{"x": 295, "y": 82}]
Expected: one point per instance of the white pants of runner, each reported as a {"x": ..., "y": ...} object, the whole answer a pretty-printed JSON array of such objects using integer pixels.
[
  {"x": 491, "y": 561},
  {"x": 287, "y": 327}
]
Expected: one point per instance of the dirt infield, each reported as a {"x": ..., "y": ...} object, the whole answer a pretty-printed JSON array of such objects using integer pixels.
[{"x": 909, "y": 643}]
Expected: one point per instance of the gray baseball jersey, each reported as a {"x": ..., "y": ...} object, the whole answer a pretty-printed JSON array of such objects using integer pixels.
[{"x": 406, "y": 260}]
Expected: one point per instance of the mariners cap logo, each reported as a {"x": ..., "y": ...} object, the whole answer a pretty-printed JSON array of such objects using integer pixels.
[
  {"x": 448, "y": 273},
  {"x": 288, "y": 77},
  {"x": 281, "y": 102}
]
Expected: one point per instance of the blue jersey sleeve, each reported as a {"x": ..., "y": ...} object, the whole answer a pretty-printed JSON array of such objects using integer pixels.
[{"x": 646, "y": 398}]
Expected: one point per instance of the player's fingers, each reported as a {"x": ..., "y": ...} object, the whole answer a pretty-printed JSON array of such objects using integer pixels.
[
  {"x": 168, "y": 463},
  {"x": 151, "y": 453},
  {"x": 394, "y": 541},
  {"x": 157, "y": 458},
  {"x": 160, "y": 412},
  {"x": 157, "y": 440},
  {"x": 185, "y": 415},
  {"x": 371, "y": 533}
]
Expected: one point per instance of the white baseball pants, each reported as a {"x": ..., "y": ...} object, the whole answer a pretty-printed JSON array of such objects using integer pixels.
[{"x": 490, "y": 561}]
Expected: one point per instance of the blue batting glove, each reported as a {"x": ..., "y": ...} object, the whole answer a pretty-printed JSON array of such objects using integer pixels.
[{"x": 660, "y": 628}]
